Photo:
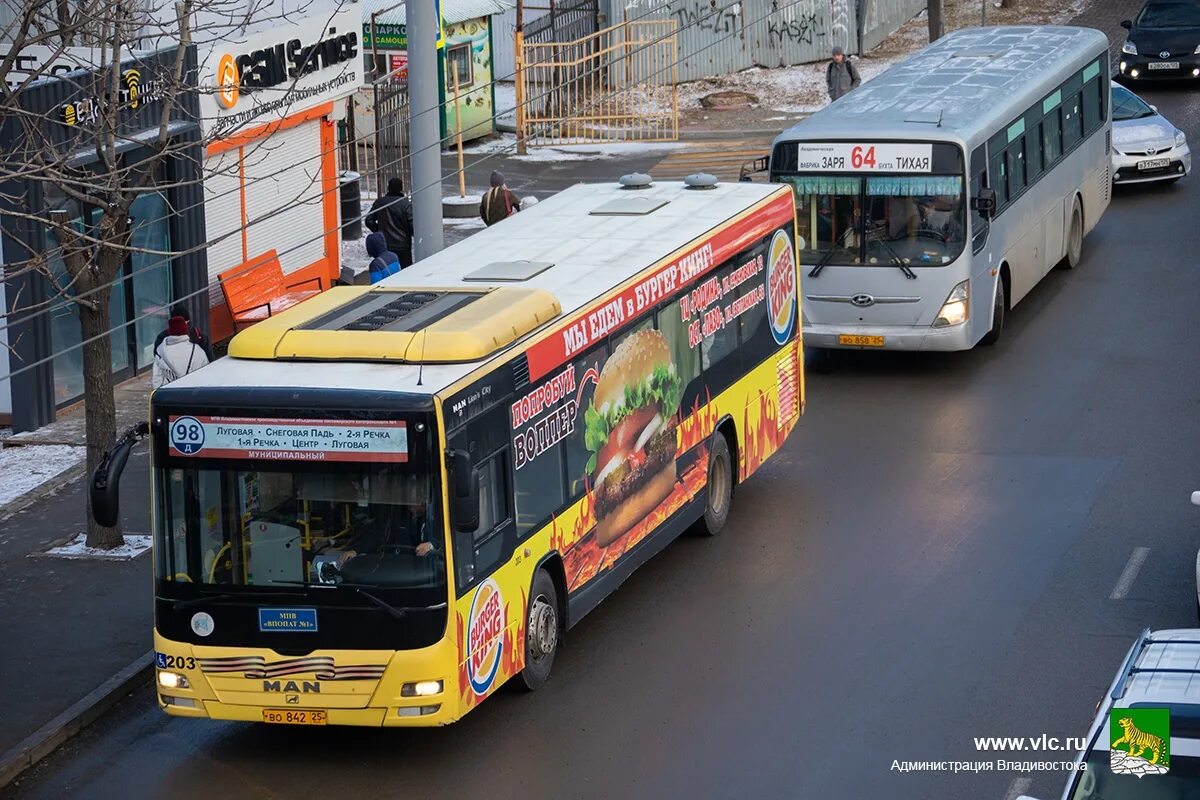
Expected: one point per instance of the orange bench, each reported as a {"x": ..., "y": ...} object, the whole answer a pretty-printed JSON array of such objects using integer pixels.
[{"x": 257, "y": 289}]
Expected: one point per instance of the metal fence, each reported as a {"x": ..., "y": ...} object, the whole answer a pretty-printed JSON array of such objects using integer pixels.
[
  {"x": 373, "y": 139},
  {"x": 720, "y": 37},
  {"x": 879, "y": 19},
  {"x": 617, "y": 84}
]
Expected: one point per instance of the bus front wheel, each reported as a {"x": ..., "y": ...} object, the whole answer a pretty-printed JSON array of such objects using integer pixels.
[
  {"x": 541, "y": 633},
  {"x": 998, "y": 308},
  {"x": 1074, "y": 238},
  {"x": 719, "y": 490}
]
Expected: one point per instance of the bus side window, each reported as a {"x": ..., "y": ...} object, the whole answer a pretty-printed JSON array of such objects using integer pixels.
[
  {"x": 479, "y": 552},
  {"x": 1052, "y": 137},
  {"x": 539, "y": 475},
  {"x": 979, "y": 179},
  {"x": 997, "y": 174}
]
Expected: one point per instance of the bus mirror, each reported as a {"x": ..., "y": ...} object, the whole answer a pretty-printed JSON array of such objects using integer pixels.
[
  {"x": 984, "y": 202},
  {"x": 464, "y": 500},
  {"x": 105, "y": 488}
]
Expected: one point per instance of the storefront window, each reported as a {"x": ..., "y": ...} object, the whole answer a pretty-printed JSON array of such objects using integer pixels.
[{"x": 151, "y": 272}]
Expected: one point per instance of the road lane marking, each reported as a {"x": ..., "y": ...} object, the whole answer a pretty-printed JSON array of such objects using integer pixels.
[
  {"x": 1018, "y": 787},
  {"x": 1136, "y": 559}
]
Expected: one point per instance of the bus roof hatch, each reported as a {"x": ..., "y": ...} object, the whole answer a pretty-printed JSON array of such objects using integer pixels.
[{"x": 426, "y": 325}]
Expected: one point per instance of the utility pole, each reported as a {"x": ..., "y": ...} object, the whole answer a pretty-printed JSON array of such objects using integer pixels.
[
  {"x": 518, "y": 50},
  {"x": 424, "y": 130},
  {"x": 934, "y": 11}
]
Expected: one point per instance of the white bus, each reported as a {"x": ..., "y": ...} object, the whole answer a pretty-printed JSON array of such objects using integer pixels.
[{"x": 933, "y": 198}]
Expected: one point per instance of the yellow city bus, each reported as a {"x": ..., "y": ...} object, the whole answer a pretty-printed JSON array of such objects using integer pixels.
[{"x": 388, "y": 501}]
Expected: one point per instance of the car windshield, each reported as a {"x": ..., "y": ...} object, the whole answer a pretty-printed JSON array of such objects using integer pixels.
[
  {"x": 1127, "y": 105},
  {"x": 285, "y": 524},
  {"x": 1098, "y": 782},
  {"x": 879, "y": 220},
  {"x": 1169, "y": 15}
]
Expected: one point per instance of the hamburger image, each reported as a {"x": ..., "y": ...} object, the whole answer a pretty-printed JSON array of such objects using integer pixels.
[{"x": 630, "y": 431}]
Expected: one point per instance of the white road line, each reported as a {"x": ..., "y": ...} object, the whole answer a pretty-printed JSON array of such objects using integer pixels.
[
  {"x": 1136, "y": 559},
  {"x": 1018, "y": 787}
]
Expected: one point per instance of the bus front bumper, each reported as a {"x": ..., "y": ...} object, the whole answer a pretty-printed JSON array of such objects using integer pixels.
[
  {"x": 899, "y": 337},
  {"x": 435, "y": 713}
]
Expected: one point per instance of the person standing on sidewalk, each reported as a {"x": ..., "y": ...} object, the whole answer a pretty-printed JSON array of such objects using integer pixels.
[
  {"x": 177, "y": 355},
  {"x": 392, "y": 215},
  {"x": 841, "y": 76},
  {"x": 499, "y": 203},
  {"x": 197, "y": 335}
]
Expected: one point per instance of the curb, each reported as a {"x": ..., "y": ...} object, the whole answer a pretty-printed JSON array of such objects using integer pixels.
[{"x": 46, "y": 739}]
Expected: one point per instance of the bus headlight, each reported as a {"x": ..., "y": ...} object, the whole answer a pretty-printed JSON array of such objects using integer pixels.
[
  {"x": 421, "y": 689},
  {"x": 172, "y": 680},
  {"x": 957, "y": 308}
]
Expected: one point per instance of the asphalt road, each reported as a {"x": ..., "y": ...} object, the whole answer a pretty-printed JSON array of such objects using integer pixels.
[{"x": 930, "y": 559}]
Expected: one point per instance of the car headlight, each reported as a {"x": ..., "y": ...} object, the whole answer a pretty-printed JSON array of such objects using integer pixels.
[
  {"x": 957, "y": 308},
  {"x": 1180, "y": 139},
  {"x": 1196, "y": 52},
  {"x": 1129, "y": 48}
]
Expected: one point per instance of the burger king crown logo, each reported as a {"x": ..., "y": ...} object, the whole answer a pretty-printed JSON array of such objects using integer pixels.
[
  {"x": 781, "y": 287},
  {"x": 485, "y": 636}
]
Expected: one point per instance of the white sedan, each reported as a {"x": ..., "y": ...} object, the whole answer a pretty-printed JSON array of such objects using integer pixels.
[{"x": 1145, "y": 147}]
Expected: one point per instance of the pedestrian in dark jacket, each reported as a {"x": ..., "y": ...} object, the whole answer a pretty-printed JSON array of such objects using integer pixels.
[
  {"x": 841, "y": 76},
  {"x": 197, "y": 336},
  {"x": 383, "y": 261},
  {"x": 499, "y": 203},
  {"x": 392, "y": 215}
]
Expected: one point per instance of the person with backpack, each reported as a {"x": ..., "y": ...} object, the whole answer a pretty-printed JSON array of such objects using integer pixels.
[
  {"x": 383, "y": 261},
  {"x": 499, "y": 203},
  {"x": 176, "y": 355},
  {"x": 197, "y": 335},
  {"x": 392, "y": 215},
  {"x": 841, "y": 76}
]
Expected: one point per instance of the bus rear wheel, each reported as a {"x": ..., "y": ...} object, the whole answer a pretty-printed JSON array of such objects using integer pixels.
[
  {"x": 541, "y": 634},
  {"x": 719, "y": 489},
  {"x": 1074, "y": 238}
]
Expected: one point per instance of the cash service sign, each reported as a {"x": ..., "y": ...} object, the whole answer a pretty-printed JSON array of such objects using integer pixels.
[{"x": 288, "y": 439}]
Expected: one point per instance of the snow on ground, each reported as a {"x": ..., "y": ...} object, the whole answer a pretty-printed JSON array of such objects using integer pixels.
[
  {"x": 135, "y": 545},
  {"x": 25, "y": 468},
  {"x": 506, "y": 100},
  {"x": 506, "y": 144}
]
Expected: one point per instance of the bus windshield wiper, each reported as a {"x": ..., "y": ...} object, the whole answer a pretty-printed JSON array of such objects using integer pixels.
[
  {"x": 180, "y": 605},
  {"x": 896, "y": 259},
  {"x": 399, "y": 612},
  {"x": 823, "y": 262}
]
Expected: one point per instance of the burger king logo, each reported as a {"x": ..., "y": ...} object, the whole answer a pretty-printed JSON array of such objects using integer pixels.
[
  {"x": 781, "y": 287},
  {"x": 228, "y": 82},
  {"x": 485, "y": 641}
]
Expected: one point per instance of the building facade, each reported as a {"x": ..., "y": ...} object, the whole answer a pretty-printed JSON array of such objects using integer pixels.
[{"x": 41, "y": 369}]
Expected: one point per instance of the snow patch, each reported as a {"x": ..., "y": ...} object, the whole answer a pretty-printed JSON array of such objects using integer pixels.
[
  {"x": 506, "y": 144},
  {"x": 455, "y": 200},
  {"x": 24, "y": 469},
  {"x": 135, "y": 545}
]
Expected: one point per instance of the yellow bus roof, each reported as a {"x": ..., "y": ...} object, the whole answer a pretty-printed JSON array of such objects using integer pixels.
[{"x": 438, "y": 320}]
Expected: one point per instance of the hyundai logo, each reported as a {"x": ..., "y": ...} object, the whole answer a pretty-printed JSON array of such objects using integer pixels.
[
  {"x": 862, "y": 300},
  {"x": 1165, "y": 54}
]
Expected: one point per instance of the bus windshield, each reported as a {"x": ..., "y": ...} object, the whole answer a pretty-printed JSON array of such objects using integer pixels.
[
  {"x": 284, "y": 523},
  {"x": 879, "y": 220}
]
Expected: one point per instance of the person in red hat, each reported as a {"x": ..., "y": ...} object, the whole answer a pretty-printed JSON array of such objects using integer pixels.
[{"x": 177, "y": 354}]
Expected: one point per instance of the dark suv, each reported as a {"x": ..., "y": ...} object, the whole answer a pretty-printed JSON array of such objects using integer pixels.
[{"x": 1163, "y": 42}]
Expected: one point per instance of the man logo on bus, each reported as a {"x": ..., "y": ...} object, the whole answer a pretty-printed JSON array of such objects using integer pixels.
[
  {"x": 781, "y": 287},
  {"x": 485, "y": 639}
]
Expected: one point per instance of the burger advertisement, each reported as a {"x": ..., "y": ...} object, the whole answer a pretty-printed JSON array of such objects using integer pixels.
[{"x": 629, "y": 430}]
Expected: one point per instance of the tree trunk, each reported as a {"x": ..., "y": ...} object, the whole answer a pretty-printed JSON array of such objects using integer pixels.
[
  {"x": 934, "y": 12},
  {"x": 99, "y": 408}
]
